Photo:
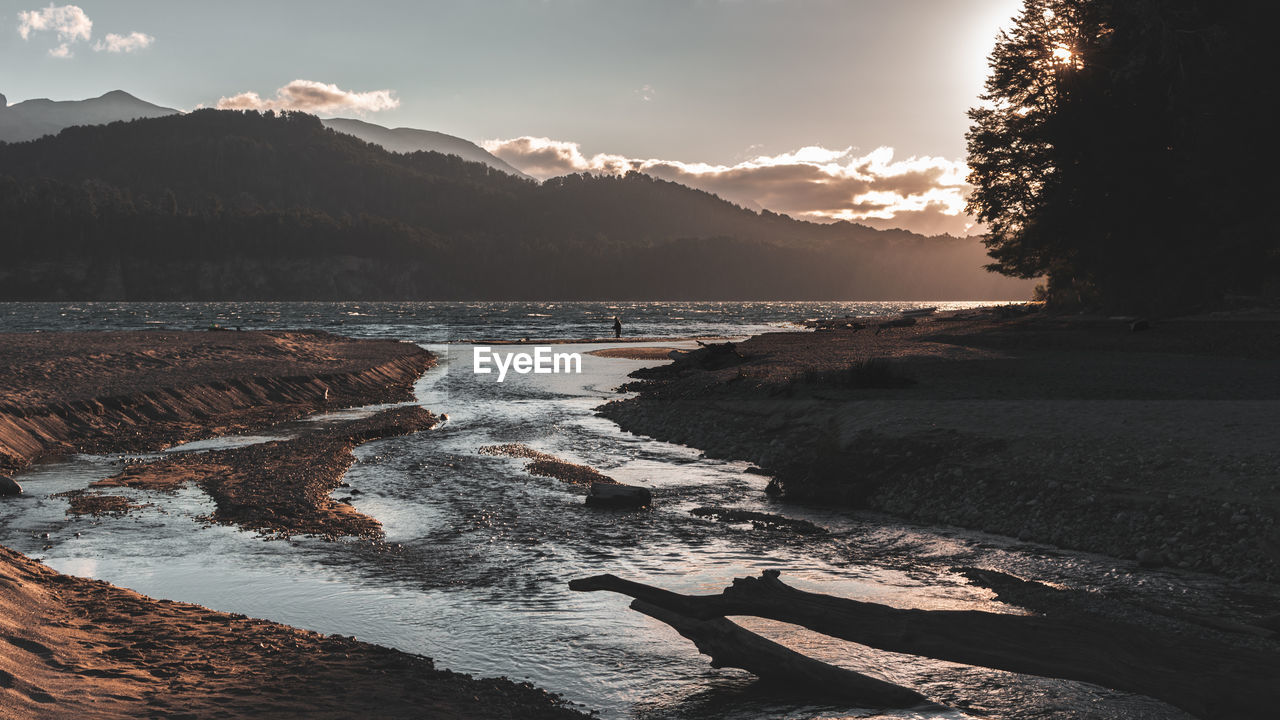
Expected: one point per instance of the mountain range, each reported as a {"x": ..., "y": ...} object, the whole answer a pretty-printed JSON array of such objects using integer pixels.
[
  {"x": 244, "y": 205},
  {"x": 32, "y": 119}
]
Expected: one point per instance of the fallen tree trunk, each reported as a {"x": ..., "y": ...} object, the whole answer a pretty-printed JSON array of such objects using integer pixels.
[
  {"x": 730, "y": 645},
  {"x": 1205, "y": 678}
]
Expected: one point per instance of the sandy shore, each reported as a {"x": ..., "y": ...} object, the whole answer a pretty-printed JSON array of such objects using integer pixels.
[
  {"x": 75, "y": 648},
  {"x": 635, "y": 353},
  {"x": 1158, "y": 446},
  {"x": 110, "y": 392},
  {"x": 591, "y": 341},
  {"x": 84, "y": 649}
]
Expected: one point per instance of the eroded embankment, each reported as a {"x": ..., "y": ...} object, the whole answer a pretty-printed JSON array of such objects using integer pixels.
[
  {"x": 1155, "y": 446},
  {"x": 133, "y": 391},
  {"x": 76, "y": 648},
  {"x": 281, "y": 487}
]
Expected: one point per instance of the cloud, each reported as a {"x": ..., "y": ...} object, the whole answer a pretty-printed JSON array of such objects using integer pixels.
[
  {"x": 543, "y": 157},
  {"x": 68, "y": 22},
  {"x": 314, "y": 97},
  {"x": 132, "y": 42},
  {"x": 925, "y": 194},
  {"x": 71, "y": 25}
]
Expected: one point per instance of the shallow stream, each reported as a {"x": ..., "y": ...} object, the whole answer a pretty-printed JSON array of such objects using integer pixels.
[{"x": 479, "y": 554}]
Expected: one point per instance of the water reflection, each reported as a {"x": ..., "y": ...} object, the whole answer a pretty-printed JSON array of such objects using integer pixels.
[{"x": 479, "y": 553}]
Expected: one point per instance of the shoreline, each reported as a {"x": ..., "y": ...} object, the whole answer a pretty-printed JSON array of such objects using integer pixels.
[
  {"x": 85, "y": 648},
  {"x": 593, "y": 341},
  {"x": 130, "y": 391},
  {"x": 1151, "y": 447},
  {"x": 88, "y": 649}
]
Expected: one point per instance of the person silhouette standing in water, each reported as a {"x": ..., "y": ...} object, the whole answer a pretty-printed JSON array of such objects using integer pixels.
[{"x": 617, "y": 327}]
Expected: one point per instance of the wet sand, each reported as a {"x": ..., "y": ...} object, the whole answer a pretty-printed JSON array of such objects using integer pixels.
[
  {"x": 76, "y": 648},
  {"x": 280, "y": 488},
  {"x": 107, "y": 392},
  {"x": 84, "y": 649},
  {"x": 541, "y": 463},
  {"x": 638, "y": 353},
  {"x": 591, "y": 341},
  {"x": 1156, "y": 446}
]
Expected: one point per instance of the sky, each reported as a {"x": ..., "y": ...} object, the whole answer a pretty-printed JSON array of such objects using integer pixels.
[{"x": 823, "y": 109}]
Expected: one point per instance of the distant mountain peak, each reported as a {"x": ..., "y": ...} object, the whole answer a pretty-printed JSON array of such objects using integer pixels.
[
  {"x": 36, "y": 118},
  {"x": 408, "y": 140}
]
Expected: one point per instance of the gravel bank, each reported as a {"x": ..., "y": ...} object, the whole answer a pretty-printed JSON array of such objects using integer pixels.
[{"x": 1155, "y": 446}]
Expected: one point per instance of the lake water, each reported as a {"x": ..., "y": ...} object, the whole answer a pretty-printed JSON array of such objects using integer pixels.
[
  {"x": 479, "y": 553},
  {"x": 448, "y": 321}
]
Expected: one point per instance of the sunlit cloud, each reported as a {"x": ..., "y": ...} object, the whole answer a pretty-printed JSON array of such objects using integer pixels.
[
  {"x": 924, "y": 194},
  {"x": 132, "y": 42},
  {"x": 314, "y": 97},
  {"x": 544, "y": 158},
  {"x": 68, "y": 22}
]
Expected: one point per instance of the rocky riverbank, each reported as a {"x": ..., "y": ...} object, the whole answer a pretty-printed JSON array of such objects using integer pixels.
[
  {"x": 1155, "y": 446},
  {"x": 76, "y": 648}
]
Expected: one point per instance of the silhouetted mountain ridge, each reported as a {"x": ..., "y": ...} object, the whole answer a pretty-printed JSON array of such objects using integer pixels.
[
  {"x": 36, "y": 118},
  {"x": 247, "y": 205}
]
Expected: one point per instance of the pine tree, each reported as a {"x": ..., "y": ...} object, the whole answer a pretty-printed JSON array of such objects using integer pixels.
[{"x": 1097, "y": 155}]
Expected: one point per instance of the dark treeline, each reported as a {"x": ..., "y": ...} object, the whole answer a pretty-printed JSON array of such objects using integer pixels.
[
  {"x": 238, "y": 205},
  {"x": 1124, "y": 152}
]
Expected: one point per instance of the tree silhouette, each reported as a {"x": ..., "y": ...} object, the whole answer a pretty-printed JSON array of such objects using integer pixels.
[{"x": 1098, "y": 155}]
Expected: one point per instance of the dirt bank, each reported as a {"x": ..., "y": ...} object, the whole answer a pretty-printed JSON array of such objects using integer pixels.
[
  {"x": 1156, "y": 445},
  {"x": 76, "y": 648},
  {"x": 84, "y": 649},
  {"x": 282, "y": 487},
  {"x": 129, "y": 391}
]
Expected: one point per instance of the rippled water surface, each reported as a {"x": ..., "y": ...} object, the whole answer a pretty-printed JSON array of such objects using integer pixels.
[
  {"x": 448, "y": 321},
  {"x": 475, "y": 573}
]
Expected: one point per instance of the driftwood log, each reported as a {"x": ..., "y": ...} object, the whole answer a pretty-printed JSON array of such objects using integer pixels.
[
  {"x": 1205, "y": 678},
  {"x": 730, "y": 645}
]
